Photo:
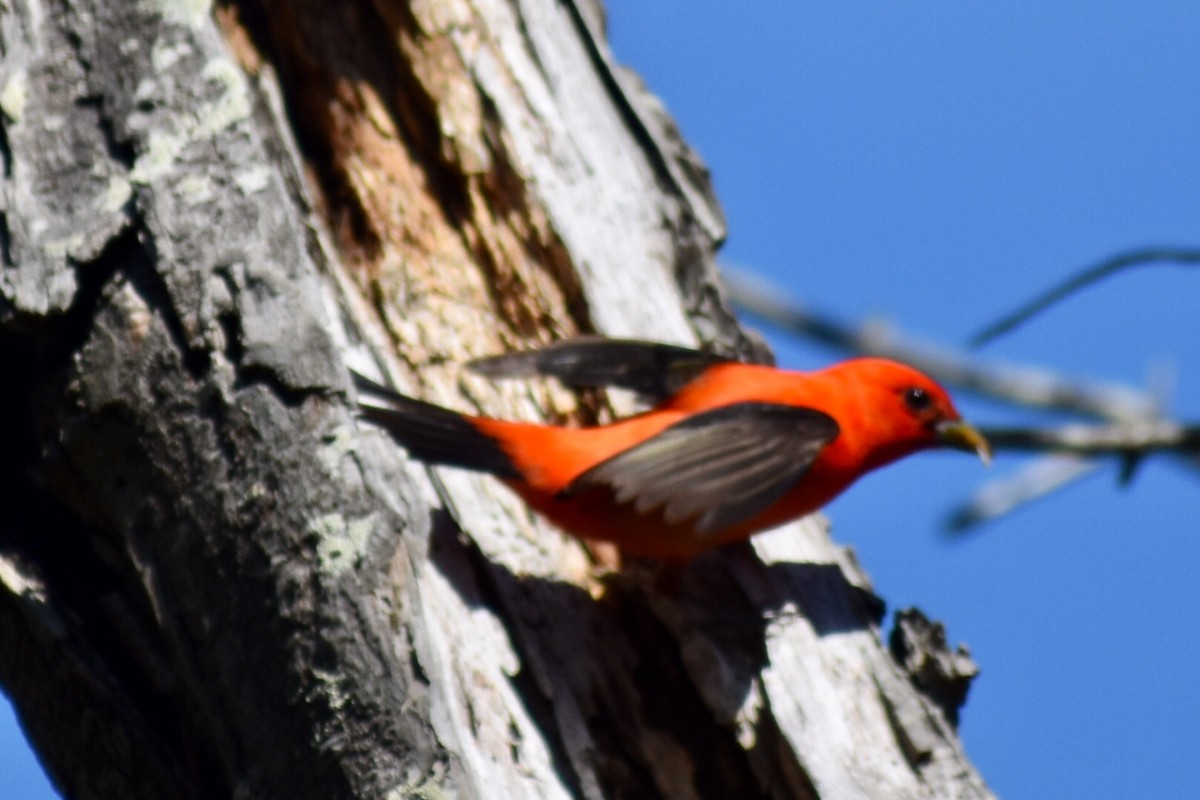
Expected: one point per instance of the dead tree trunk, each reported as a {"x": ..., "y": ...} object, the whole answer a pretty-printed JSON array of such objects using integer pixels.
[{"x": 215, "y": 583}]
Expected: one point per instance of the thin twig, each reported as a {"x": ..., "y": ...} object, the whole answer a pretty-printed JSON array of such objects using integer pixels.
[
  {"x": 1127, "y": 440},
  {"x": 1082, "y": 279},
  {"x": 1074, "y": 453},
  {"x": 1000, "y": 497}
]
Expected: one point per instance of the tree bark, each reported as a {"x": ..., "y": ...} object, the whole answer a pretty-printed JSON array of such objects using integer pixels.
[{"x": 214, "y": 582}]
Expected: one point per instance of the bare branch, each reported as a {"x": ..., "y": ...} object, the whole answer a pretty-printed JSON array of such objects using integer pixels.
[
  {"x": 1126, "y": 439},
  {"x": 997, "y": 498},
  {"x": 1023, "y": 386},
  {"x": 1081, "y": 280}
]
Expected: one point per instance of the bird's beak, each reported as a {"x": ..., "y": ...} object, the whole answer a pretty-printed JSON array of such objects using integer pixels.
[{"x": 961, "y": 436}]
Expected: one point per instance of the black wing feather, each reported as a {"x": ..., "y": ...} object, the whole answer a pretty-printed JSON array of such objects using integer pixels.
[
  {"x": 721, "y": 467},
  {"x": 652, "y": 369}
]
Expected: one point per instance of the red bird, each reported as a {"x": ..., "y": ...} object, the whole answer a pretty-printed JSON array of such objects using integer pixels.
[{"x": 730, "y": 449}]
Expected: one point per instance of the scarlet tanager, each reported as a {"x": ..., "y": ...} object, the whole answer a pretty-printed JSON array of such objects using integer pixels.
[{"x": 729, "y": 450}]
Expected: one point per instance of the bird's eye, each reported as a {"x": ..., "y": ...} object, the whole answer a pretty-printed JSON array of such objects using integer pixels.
[{"x": 917, "y": 399}]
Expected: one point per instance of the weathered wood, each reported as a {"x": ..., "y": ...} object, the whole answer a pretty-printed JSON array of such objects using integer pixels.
[{"x": 239, "y": 588}]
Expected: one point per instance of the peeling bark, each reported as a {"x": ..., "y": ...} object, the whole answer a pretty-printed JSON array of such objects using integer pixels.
[{"x": 216, "y": 583}]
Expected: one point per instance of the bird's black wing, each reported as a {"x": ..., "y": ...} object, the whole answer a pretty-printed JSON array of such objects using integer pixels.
[
  {"x": 652, "y": 369},
  {"x": 720, "y": 468}
]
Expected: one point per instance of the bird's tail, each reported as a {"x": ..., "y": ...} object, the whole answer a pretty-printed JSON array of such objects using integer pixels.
[{"x": 431, "y": 433}]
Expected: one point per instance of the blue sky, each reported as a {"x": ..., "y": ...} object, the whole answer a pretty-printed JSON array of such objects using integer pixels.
[{"x": 934, "y": 165}]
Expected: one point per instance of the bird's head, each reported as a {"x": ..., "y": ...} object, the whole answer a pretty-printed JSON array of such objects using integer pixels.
[{"x": 903, "y": 410}]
